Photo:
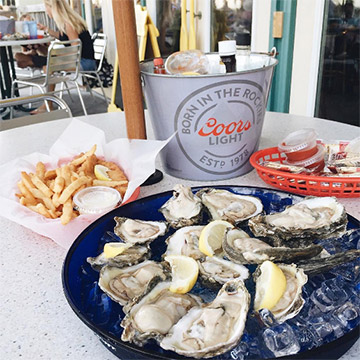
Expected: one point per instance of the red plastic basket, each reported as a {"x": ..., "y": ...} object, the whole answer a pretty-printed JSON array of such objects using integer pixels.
[{"x": 302, "y": 184}]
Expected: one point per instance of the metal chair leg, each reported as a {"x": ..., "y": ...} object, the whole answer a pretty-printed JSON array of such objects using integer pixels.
[
  {"x": 102, "y": 88},
  {"x": 88, "y": 86},
  {"x": 67, "y": 89},
  {"x": 81, "y": 98}
]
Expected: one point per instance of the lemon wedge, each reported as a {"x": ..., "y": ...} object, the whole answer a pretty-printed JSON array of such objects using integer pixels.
[
  {"x": 100, "y": 172},
  {"x": 185, "y": 271},
  {"x": 270, "y": 286},
  {"x": 113, "y": 249},
  {"x": 212, "y": 235}
]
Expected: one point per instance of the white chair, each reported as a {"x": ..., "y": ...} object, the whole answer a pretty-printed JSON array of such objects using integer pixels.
[
  {"x": 63, "y": 65},
  {"x": 100, "y": 42}
]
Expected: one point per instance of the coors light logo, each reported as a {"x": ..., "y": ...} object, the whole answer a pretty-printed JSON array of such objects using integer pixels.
[{"x": 218, "y": 126}]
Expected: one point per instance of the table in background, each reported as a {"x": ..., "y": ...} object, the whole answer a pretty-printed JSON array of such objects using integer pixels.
[
  {"x": 7, "y": 69},
  {"x": 35, "y": 319}
]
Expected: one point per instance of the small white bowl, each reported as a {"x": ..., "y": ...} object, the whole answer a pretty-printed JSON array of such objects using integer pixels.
[{"x": 96, "y": 200}]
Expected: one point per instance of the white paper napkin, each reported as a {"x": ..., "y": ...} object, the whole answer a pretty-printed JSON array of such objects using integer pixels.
[{"x": 135, "y": 157}]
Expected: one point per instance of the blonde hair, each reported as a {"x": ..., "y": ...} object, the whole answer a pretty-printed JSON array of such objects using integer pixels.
[{"x": 63, "y": 14}]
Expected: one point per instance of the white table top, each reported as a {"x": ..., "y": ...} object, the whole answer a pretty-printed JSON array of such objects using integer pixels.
[
  {"x": 24, "y": 42},
  {"x": 35, "y": 318}
]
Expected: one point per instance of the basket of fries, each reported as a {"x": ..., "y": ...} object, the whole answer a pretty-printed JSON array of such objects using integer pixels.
[{"x": 37, "y": 190}]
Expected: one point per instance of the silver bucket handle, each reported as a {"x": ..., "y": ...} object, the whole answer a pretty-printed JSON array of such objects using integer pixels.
[{"x": 273, "y": 52}]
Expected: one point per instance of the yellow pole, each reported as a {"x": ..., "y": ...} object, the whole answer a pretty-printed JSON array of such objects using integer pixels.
[
  {"x": 192, "y": 35},
  {"x": 184, "y": 45}
]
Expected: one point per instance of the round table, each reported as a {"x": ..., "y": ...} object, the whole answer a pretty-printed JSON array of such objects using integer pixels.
[
  {"x": 36, "y": 320},
  {"x": 7, "y": 69}
]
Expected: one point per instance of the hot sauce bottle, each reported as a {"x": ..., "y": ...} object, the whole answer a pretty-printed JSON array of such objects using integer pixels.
[{"x": 159, "y": 67}]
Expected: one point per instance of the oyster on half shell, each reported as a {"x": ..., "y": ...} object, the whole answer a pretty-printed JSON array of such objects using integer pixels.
[
  {"x": 185, "y": 241},
  {"x": 311, "y": 218},
  {"x": 155, "y": 314},
  {"x": 183, "y": 208},
  {"x": 291, "y": 301},
  {"x": 213, "y": 328},
  {"x": 225, "y": 205},
  {"x": 138, "y": 231},
  {"x": 130, "y": 256},
  {"x": 217, "y": 271},
  {"x": 126, "y": 284},
  {"x": 240, "y": 248}
]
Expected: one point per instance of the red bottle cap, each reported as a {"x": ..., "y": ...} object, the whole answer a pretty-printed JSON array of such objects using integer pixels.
[{"x": 158, "y": 61}]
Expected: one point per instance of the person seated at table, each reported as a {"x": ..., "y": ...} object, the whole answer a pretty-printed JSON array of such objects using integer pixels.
[
  {"x": 71, "y": 26},
  {"x": 33, "y": 56}
]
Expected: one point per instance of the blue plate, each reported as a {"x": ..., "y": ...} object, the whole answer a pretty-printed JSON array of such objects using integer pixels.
[{"x": 331, "y": 311}]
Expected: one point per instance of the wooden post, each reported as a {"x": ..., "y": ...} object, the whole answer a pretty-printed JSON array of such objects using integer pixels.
[{"x": 127, "y": 49}]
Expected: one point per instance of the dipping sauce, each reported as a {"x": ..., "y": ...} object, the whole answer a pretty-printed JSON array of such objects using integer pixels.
[
  {"x": 96, "y": 199},
  {"x": 299, "y": 145},
  {"x": 315, "y": 163}
]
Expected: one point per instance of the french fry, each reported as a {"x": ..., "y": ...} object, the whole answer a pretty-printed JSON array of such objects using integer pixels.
[
  {"x": 70, "y": 189},
  {"x": 26, "y": 201},
  {"x": 27, "y": 180},
  {"x": 41, "y": 196},
  {"x": 40, "y": 170},
  {"x": 66, "y": 174},
  {"x": 67, "y": 212},
  {"x": 41, "y": 209},
  {"x": 25, "y": 191},
  {"x": 55, "y": 200},
  {"x": 111, "y": 183},
  {"x": 50, "y": 175},
  {"x": 81, "y": 159},
  {"x": 59, "y": 184},
  {"x": 41, "y": 186}
]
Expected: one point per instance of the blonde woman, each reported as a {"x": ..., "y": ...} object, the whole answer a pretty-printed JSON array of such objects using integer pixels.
[{"x": 71, "y": 26}]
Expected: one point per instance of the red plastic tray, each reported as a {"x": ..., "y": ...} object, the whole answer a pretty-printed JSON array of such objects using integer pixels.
[{"x": 302, "y": 184}]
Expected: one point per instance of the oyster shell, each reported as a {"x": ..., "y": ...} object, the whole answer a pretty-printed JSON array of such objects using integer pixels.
[
  {"x": 155, "y": 313},
  {"x": 138, "y": 231},
  {"x": 225, "y": 205},
  {"x": 317, "y": 266},
  {"x": 185, "y": 241},
  {"x": 311, "y": 218},
  {"x": 292, "y": 301},
  {"x": 183, "y": 208},
  {"x": 215, "y": 270},
  {"x": 240, "y": 248},
  {"x": 125, "y": 284},
  {"x": 214, "y": 328},
  {"x": 131, "y": 256}
]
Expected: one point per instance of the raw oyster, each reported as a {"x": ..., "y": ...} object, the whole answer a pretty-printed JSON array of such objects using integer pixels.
[
  {"x": 240, "y": 248},
  {"x": 213, "y": 328},
  {"x": 317, "y": 266},
  {"x": 292, "y": 301},
  {"x": 215, "y": 270},
  {"x": 131, "y": 256},
  {"x": 185, "y": 241},
  {"x": 138, "y": 231},
  {"x": 155, "y": 313},
  {"x": 309, "y": 219},
  {"x": 125, "y": 284},
  {"x": 225, "y": 205},
  {"x": 183, "y": 208}
]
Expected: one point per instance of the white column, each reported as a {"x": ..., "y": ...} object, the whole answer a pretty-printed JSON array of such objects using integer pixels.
[{"x": 89, "y": 15}]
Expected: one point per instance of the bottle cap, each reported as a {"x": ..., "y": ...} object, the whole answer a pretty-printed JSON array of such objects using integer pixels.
[
  {"x": 158, "y": 61},
  {"x": 227, "y": 47}
]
